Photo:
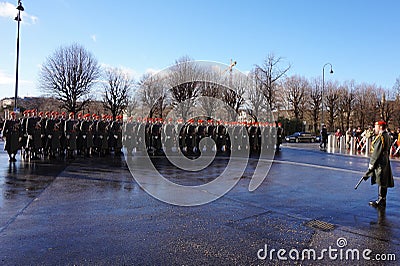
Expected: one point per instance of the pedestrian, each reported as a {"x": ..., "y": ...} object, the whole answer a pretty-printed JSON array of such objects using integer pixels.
[
  {"x": 338, "y": 135},
  {"x": 279, "y": 135},
  {"x": 324, "y": 137},
  {"x": 349, "y": 136},
  {"x": 379, "y": 165}
]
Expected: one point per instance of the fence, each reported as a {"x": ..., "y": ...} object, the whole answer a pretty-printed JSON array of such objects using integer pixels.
[
  {"x": 352, "y": 146},
  {"x": 359, "y": 146}
]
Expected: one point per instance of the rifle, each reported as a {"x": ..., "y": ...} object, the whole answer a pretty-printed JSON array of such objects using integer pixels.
[{"x": 364, "y": 177}]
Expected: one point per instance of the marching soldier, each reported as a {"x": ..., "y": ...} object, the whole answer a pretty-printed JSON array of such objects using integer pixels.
[
  {"x": 55, "y": 145},
  {"x": 34, "y": 131},
  {"x": 63, "y": 140},
  {"x": 253, "y": 137},
  {"x": 210, "y": 132},
  {"x": 43, "y": 135},
  {"x": 79, "y": 138},
  {"x": 190, "y": 138},
  {"x": 140, "y": 130},
  {"x": 102, "y": 135},
  {"x": 24, "y": 140},
  {"x": 12, "y": 133},
  {"x": 200, "y": 134},
  {"x": 379, "y": 165},
  {"x": 168, "y": 131},
  {"x": 70, "y": 135},
  {"x": 155, "y": 139},
  {"x": 116, "y": 135},
  {"x": 85, "y": 131},
  {"x": 129, "y": 139},
  {"x": 48, "y": 132},
  {"x": 220, "y": 132}
]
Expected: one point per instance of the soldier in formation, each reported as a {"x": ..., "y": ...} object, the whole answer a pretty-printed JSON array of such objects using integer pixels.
[
  {"x": 51, "y": 135},
  {"x": 156, "y": 136}
]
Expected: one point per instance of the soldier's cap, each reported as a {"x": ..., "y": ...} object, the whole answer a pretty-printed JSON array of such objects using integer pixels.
[
  {"x": 104, "y": 116},
  {"x": 79, "y": 114},
  {"x": 12, "y": 113},
  {"x": 94, "y": 115},
  {"x": 63, "y": 113},
  {"x": 47, "y": 113},
  {"x": 86, "y": 115},
  {"x": 380, "y": 123},
  {"x": 40, "y": 113},
  {"x": 71, "y": 114}
]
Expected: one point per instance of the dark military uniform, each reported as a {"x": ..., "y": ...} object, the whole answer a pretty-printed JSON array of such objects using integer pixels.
[
  {"x": 168, "y": 136},
  {"x": 70, "y": 135},
  {"x": 379, "y": 165},
  {"x": 190, "y": 138},
  {"x": 86, "y": 137},
  {"x": 34, "y": 131},
  {"x": 12, "y": 133},
  {"x": 102, "y": 137},
  {"x": 129, "y": 139},
  {"x": 116, "y": 136}
]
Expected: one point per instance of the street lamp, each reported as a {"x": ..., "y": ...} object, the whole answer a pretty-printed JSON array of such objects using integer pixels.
[
  {"x": 323, "y": 87},
  {"x": 18, "y": 19}
]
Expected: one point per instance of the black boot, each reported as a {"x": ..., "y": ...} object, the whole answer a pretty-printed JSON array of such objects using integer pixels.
[{"x": 381, "y": 201}]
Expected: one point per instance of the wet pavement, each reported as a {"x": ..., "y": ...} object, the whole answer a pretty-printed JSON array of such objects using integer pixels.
[{"x": 92, "y": 212}]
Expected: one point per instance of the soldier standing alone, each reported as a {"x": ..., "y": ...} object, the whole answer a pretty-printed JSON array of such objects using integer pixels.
[{"x": 379, "y": 165}]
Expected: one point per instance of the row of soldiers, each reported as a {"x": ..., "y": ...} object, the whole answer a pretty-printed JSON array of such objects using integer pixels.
[
  {"x": 54, "y": 134},
  {"x": 194, "y": 137}
]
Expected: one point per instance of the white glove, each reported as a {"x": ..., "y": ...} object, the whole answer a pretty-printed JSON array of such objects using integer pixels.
[
  {"x": 49, "y": 136},
  {"x": 370, "y": 167},
  {"x": 84, "y": 136}
]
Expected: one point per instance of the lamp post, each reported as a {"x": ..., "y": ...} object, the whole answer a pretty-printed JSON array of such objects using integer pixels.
[
  {"x": 18, "y": 19},
  {"x": 323, "y": 88}
]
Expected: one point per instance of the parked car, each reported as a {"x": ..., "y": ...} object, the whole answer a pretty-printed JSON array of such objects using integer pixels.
[{"x": 301, "y": 137}]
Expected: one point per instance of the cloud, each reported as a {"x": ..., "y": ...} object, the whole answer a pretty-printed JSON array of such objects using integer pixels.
[
  {"x": 132, "y": 72},
  {"x": 8, "y": 10},
  {"x": 5, "y": 78},
  {"x": 93, "y": 37}
]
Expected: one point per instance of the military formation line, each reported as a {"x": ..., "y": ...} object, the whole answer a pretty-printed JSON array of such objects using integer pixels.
[{"x": 39, "y": 135}]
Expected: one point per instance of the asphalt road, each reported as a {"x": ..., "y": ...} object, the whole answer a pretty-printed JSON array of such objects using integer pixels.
[{"x": 92, "y": 212}]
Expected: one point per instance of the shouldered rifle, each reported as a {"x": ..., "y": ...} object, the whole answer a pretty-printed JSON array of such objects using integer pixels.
[{"x": 364, "y": 177}]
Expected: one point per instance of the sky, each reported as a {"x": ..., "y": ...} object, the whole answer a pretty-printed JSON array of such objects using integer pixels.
[{"x": 360, "y": 38}]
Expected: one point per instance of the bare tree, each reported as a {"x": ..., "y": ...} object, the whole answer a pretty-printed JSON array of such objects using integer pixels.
[
  {"x": 255, "y": 96},
  {"x": 346, "y": 103},
  {"x": 117, "y": 88},
  {"x": 366, "y": 108},
  {"x": 268, "y": 74},
  {"x": 153, "y": 94},
  {"x": 233, "y": 96},
  {"x": 184, "y": 82},
  {"x": 386, "y": 105},
  {"x": 331, "y": 102},
  {"x": 295, "y": 90},
  {"x": 210, "y": 92},
  {"x": 69, "y": 75},
  {"x": 315, "y": 101}
]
